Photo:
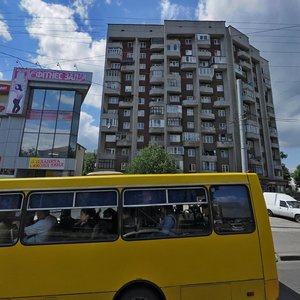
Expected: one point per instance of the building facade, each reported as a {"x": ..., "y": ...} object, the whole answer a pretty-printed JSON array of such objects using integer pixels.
[
  {"x": 176, "y": 85},
  {"x": 39, "y": 121}
]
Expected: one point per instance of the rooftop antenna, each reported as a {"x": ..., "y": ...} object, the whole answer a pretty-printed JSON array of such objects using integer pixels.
[
  {"x": 18, "y": 62},
  {"x": 58, "y": 64},
  {"x": 75, "y": 66}
]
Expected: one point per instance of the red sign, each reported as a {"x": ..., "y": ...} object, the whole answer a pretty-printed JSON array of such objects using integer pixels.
[{"x": 4, "y": 88}]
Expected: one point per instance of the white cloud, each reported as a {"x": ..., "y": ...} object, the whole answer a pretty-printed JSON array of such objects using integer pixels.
[
  {"x": 88, "y": 133},
  {"x": 1, "y": 76},
  {"x": 4, "y": 29},
  {"x": 108, "y": 1},
  {"x": 172, "y": 11},
  {"x": 81, "y": 8}
]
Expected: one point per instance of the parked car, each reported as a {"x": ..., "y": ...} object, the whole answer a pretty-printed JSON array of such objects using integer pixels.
[{"x": 283, "y": 205}]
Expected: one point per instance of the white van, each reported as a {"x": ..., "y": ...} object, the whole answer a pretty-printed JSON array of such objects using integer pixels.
[{"x": 279, "y": 204}]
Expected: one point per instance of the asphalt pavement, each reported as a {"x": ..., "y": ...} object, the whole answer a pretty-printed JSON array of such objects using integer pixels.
[{"x": 286, "y": 237}]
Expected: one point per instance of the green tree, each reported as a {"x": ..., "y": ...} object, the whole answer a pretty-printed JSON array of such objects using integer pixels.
[
  {"x": 285, "y": 170},
  {"x": 89, "y": 162},
  {"x": 296, "y": 176},
  {"x": 152, "y": 160}
]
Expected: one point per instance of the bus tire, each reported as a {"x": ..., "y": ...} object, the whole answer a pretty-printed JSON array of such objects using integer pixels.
[
  {"x": 297, "y": 218},
  {"x": 270, "y": 213},
  {"x": 139, "y": 293}
]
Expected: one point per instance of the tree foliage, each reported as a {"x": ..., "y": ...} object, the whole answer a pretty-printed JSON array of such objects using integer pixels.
[
  {"x": 285, "y": 170},
  {"x": 152, "y": 160},
  {"x": 296, "y": 176},
  {"x": 89, "y": 162}
]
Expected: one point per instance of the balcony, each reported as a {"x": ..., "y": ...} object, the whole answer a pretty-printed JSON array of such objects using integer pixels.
[
  {"x": 275, "y": 145},
  {"x": 114, "y": 55},
  {"x": 173, "y": 48},
  {"x": 210, "y": 130},
  {"x": 191, "y": 143},
  {"x": 206, "y": 74},
  {"x": 153, "y": 103},
  {"x": 159, "y": 142},
  {"x": 174, "y": 83},
  {"x": 174, "y": 128},
  {"x": 113, "y": 78},
  {"x": 238, "y": 71},
  {"x": 252, "y": 135},
  {"x": 190, "y": 102},
  {"x": 156, "y": 91},
  {"x": 245, "y": 65},
  {"x": 125, "y": 104},
  {"x": 128, "y": 68},
  {"x": 219, "y": 62},
  {"x": 273, "y": 132},
  {"x": 203, "y": 40},
  {"x": 225, "y": 144},
  {"x": 108, "y": 128},
  {"x": 157, "y": 46},
  {"x": 248, "y": 94},
  {"x": 107, "y": 156},
  {"x": 157, "y": 67},
  {"x": 221, "y": 104},
  {"x": 206, "y": 90},
  {"x": 156, "y": 57},
  {"x": 243, "y": 55},
  {"x": 188, "y": 63},
  {"x": 112, "y": 90},
  {"x": 210, "y": 158},
  {"x": 156, "y": 129},
  {"x": 204, "y": 54},
  {"x": 124, "y": 142},
  {"x": 207, "y": 116}
]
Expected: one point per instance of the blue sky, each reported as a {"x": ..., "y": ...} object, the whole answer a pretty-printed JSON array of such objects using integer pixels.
[{"x": 73, "y": 32}]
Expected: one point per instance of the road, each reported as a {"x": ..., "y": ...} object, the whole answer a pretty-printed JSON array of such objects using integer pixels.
[{"x": 286, "y": 236}]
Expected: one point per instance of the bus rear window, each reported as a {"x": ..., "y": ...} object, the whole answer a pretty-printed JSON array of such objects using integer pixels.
[{"x": 232, "y": 209}]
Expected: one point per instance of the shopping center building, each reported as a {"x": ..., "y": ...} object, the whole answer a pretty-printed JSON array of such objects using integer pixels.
[{"x": 39, "y": 121}]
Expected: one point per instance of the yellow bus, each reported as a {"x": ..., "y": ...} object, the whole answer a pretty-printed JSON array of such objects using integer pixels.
[{"x": 136, "y": 237}]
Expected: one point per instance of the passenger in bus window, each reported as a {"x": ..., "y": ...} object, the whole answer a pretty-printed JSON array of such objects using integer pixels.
[
  {"x": 66, "y": 220},
  {"x": 38, "y": 232},
  {"x": 6, "y": 226},
  {"x": 168, "y": 223},
  {"x": 83, "y": 228},
  {"x": 112, "y": 220}
]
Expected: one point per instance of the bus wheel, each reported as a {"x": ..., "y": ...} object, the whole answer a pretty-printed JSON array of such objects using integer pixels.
[
  {"x": 297, "y": 218},
  {"x": 139, "y": 293},
  {"x": 270, "y": 213}
]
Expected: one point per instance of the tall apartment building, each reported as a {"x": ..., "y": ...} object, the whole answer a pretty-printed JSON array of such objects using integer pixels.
[{"x": 176, "y": 85}]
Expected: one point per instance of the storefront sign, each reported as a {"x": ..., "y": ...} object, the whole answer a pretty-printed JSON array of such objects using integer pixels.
[
  {"x": 4, "y": 88},
  {"x": 47, "y": 163}
]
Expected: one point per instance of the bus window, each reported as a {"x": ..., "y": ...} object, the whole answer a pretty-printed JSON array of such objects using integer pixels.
[
  {"x": 184, "y": 212},
  {"x": 232, "y": 209},
  {"x": 10, "y": 212},
  {"x": 73, "y": 216}
]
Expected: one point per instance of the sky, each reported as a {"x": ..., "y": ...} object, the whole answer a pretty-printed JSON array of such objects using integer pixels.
[{"x": 71, "y": 35}]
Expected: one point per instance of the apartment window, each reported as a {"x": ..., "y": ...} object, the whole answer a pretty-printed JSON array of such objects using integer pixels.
[
  {"x": 190, "y": 112},
  {"x": 222, "y": 126},
  {"x": 106, "y": 164},
  {"x": 225, "y": 168},
  {"x": 142, "y": 101},
  {"x": 109, "y": 122},
  {"x": 207, "y": 124},
  {"x": 203, "y": 64},
  {"x": 142, "y": 89},
  {"x": 123, "y": 166},
  {"x": 156, "y": 110},
  {"x": 174, "y": 63},
  {"x": 221, "y": 113},
  {"x": 110, "y": 138},
  {"x": 125, "y": 151},
  {"x": 202, "y": 37},
  {"x": 209, "y": 166},
  {"x": 142, "y": 77},
  {"x": 142, "y": 55},
  {"x": 224, "y": 153},
  {"x": 130, "y": 55},
  {"x": 140, "y": 138},
  {"x": 205, "y": 99},
  {"x": 175, "y": 138},
  {"x": 219, "y": 76},
  {"x": 126, "y": 125},
  {"x": 141, "y": 113},
  {"x": 208, "y": 139},
  {"x": 176, "y": 150},
  {"x": 174, "y": 109},
  {"x": 174, "y": 99},
  {"x": 114, "y": 51},
  {"x": 110, "y": 151},
  {"x": 191, "y": 136},
  {"x": 173, "y": 47},
  {"x": 130, "y": 44},
  {"x": 112, "y": 111},
  {"x": 220, "y": 88},
  {"x": 141, "y": 125},
  {"x": 172, "y": 83},
  {"x": 188, "y": 41},
  {"x": 115, "y": 66},
  {"x": 174, "y": 122},
  {"x": 128, "y": 77},
  {"x": 127, "y": 112},
  {"x": 191, "y": 152},
  {"x": 189, "y": 87},
  {"x": 190, "y": 125},
  {"x": 128, "y": 88},
  {"x": 188, "y": 52},
  {"x": 206, "y": 111},
  {"x": 113, "y": 100},
  {"x": 142, "y": 66},
  {"x": 143, "y": 44},
  {"x": 217, "y": 53},
  {"x": 179, "y": 165},
  {"x": 189, "y": 75},
  {"x": 216, "y": 41},
  {"x": 192, "y": 168},
  {"x": 157, "y": 123}
]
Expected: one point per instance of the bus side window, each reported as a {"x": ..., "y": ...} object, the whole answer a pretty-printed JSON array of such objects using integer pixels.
[
  {"x": 10, "y": 212},
  {"x": 232, "y": 210}
]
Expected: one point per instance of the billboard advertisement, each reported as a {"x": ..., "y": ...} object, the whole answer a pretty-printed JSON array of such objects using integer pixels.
[{"x": 47, "y": 163}]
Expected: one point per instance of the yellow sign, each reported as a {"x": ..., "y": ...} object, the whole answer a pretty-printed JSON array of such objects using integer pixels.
[{"x": 47, "y": 163}]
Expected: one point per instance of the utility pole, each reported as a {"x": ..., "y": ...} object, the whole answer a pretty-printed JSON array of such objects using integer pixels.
[{"x": 241, "y": 126}]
